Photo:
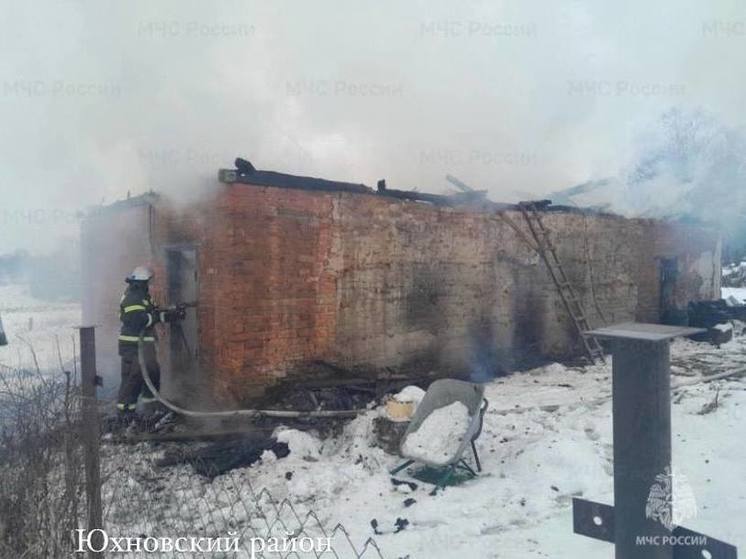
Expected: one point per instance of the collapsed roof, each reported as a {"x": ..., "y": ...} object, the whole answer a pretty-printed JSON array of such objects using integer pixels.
[{"x": 246, "y": 173}]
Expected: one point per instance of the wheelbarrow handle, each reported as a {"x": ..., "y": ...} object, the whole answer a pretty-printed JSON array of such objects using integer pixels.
[{"x": 482, "y": 409}]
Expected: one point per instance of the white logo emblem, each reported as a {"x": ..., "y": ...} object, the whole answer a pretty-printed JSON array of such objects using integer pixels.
[{"x": 671, "y": 499}]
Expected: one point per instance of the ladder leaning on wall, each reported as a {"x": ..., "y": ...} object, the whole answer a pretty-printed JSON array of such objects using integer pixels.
[
  {"x": 573, "y": 305},
  {"x": 542, "y": 244}
]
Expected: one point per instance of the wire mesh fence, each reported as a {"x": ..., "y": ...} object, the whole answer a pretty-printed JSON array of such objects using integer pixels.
[
  {"x": 147, "y": 509},
  {"x": 175, "y": 503}
]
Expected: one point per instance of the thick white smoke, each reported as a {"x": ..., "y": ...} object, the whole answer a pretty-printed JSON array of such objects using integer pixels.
[{"x": 520, "y": 97}]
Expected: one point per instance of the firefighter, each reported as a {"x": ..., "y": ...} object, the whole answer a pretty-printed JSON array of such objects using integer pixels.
[{"x": 138, "y": 313}]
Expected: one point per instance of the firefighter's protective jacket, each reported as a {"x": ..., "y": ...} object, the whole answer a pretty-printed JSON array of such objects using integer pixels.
[{"x": 136, "y": 312}]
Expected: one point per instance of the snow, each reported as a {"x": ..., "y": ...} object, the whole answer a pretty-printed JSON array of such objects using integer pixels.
[
  {"x": 732, "y": 301},
  {"x": 34, "y": 327},
  {"x": 726, "y": 327},
  {"x": 547, "y": 437},
  {"x": 409, "y": 394},
  {"x": 439, "y": 437},
  {"x": 731, "y": 268},
  {"x": 736, "y": 292},
  {"x": 300, "y": 443}
]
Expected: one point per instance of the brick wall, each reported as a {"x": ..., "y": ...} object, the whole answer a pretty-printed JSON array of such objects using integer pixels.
[
  {"x": 459, "y": 291},
  {"x": 270, "y": 281},
  {"x": 267, "y": 293},
  {"x": 290, "y": 276}
]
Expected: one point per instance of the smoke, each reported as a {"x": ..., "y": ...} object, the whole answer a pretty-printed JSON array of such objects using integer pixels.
[
  {"x": 99, "y": 99},
  {"x": 686, "y": 164},
  {"x": 690, "y": 164}
]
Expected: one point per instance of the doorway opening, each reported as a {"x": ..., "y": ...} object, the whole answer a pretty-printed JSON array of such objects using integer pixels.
[{"x": 183, "y": 336}]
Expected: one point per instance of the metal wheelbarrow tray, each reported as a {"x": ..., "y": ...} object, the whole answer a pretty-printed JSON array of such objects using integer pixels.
[{"x": 440, "y": 394}]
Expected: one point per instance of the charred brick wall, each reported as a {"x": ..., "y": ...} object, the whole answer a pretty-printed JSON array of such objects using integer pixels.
[
  {"x": 270, "y": 279},
  {"x": 459, "y": 291},
  {"x": 267, "y": 288},
  {"x": 292, "y": 276}
]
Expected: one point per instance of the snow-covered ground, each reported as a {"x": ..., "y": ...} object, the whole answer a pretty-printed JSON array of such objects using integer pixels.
[
  {"x": 36, "y": 325},
  {"x": 737, "y": 292},
  {"x": 547, "y": 437}
]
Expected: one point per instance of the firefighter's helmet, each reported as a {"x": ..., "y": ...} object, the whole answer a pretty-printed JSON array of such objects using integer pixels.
[{"x": 141, "y": 273}]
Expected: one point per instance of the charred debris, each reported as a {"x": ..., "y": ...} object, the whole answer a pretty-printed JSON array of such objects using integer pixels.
[{"x": 246, "y": 173}]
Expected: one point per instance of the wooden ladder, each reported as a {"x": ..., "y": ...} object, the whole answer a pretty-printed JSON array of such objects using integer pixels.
[{"x": 546, "y": 250}]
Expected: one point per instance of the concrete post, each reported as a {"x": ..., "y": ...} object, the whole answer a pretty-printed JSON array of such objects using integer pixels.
[{"x": 90, "y": 434}]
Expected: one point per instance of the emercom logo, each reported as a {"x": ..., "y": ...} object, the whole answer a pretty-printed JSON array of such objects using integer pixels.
[{"x": 671, "y": 499}]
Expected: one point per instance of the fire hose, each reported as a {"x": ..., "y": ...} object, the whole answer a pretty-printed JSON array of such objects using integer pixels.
[{"x": 230, "y": 413}]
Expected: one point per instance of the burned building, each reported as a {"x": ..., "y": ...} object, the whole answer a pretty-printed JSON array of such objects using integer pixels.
[{"x": 289, "y": 271}]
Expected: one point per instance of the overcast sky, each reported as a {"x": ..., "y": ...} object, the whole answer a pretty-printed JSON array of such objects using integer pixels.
[{"x": 98, "y": 98}]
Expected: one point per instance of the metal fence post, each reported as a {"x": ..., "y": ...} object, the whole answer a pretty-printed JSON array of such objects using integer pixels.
[
  {"x": 91, "y": 436},
  {"x": 641, "y": 389},
  {"x": 640, "y": 522}
]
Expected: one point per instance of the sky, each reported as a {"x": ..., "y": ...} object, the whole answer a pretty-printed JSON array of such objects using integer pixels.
[{"x": 519, "y": 97}]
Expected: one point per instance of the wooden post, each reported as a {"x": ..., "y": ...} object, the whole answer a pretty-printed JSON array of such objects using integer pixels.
[{"x": 91, "y": 436}]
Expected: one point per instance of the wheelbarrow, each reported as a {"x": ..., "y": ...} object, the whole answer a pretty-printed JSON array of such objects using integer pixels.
[{"x": 442, "y": 393}]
